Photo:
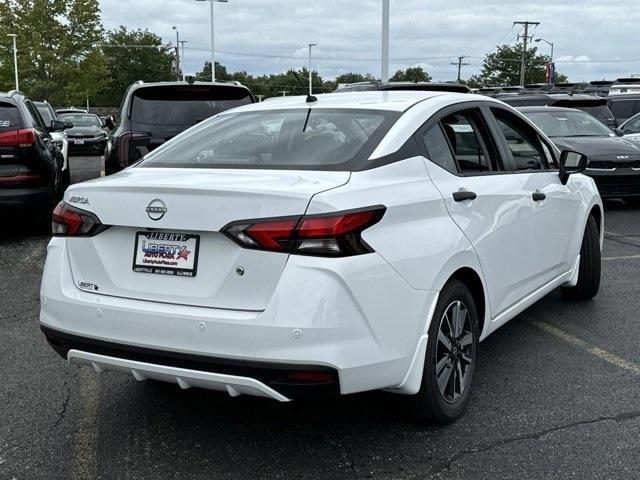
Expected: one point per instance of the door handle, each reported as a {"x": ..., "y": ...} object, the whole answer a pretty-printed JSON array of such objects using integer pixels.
[
  {"x": 538, "y": 196},
  {"x": 464, "y": 195}
]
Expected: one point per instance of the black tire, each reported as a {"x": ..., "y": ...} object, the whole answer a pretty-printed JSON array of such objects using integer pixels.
[
  {"x": 431, "y": 404},
  {"x": 590, "y": 265}
]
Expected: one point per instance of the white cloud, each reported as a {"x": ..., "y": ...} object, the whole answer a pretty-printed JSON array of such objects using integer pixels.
[{"x": 429, "y": 32}]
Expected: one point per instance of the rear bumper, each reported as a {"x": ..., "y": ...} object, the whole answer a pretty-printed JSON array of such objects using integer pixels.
[
  {"x": 617, "y": 183},
  {"x": 90, "y": 147},
  {"x": 354, "y": 318},
  {"x": 26, "y": 198},
  {"x": 187, "y": 370}
]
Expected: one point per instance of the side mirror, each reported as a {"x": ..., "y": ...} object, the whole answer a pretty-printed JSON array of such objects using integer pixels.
[
  {"x": 110, "y": 122},
  {"x": 619, "y": 132},
  {"x": 571, "y": 162},
  {"x": 58, "y": 126}
]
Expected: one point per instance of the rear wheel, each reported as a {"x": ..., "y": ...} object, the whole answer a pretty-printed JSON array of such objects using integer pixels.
[
  {"x": 590, "y": 265},
  {"x": 451, "y": 357}
]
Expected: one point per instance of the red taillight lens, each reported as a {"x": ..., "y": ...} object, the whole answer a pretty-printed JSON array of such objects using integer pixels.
[
  {"x": 24, "y": 137},
  {"x": 69, "y": 221},
  {"x": 332, "y": 235}
]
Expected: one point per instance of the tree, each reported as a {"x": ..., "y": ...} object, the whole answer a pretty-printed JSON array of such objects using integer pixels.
[
  {"x": 411, "y": 74},
  {"x": 58, "y": 44},
  {"x": 204, "y": 75},
  {"x": 354, "y": 78},
  {"x": 132, "y": 55},
  {"x": 502, "y": 67}
]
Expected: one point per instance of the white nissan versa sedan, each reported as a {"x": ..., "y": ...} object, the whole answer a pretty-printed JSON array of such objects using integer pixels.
[{"x": 357, "y": 242}]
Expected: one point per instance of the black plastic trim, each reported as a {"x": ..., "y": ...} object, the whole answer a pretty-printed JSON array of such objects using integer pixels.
[{"x": 272, "y": 374}]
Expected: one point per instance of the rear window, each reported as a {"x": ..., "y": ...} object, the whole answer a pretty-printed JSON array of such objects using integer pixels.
[
  {"x": 624, "y": 108},
  {"x": 184, "y": 104},
  {"x": 9, "y": 116},
  {"x": 311, "y": 139},
  {"x": 601, "y": 112}
]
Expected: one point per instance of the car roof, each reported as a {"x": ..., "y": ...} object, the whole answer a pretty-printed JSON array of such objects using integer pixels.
[
  {"x": 623, "y": 96},
  {"x": 395, "y": 100}
]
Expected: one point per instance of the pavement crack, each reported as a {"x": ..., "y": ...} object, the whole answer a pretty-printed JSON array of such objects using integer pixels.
[
  {"x": 65, "y": 403},
  {"x": 620, "y": 417}
]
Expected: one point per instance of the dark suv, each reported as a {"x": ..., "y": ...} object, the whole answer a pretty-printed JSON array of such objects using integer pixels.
[
  {"x": 153, "y": 113},
  {"x": 31, "y": 166}
]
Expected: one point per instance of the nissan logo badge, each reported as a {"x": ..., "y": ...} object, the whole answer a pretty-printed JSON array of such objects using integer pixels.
[{"x": 156, "y": 209}]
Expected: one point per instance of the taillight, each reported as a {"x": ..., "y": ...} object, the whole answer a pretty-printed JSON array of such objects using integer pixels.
[
  {"x": 24, "y": 137},
  {"x": 23, "y": 179},
  {"x": 70, "y": 221},
  {"x": 127, "y": 144},
  {"x": 331, "y": 235}
]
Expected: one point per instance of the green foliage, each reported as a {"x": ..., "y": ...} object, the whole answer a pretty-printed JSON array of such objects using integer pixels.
[
  {"x": 132, "y": 55},
  {"x": 58, "y": 44},
  {"x": 411, "y": 74},
  {"x": 354, "y": 78},
  {"x": 502, "y": 67}
]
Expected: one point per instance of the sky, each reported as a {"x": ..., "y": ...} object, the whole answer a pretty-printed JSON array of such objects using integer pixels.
[{"x": 594, "y": 39}]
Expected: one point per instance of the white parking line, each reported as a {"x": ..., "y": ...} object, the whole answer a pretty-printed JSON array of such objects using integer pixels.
[
  {"x": 592, "y": 349},
  {"x": 624, "y": 257}
]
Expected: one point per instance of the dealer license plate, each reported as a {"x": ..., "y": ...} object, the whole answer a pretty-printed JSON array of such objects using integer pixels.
[{"x": 166, "y": 253}]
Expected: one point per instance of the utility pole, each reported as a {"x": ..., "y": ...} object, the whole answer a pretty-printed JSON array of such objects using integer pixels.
[
  {"x": 460, "y": 64},
  {"x": 526, "y": 37},
  {"x": 384, "y": 74}
]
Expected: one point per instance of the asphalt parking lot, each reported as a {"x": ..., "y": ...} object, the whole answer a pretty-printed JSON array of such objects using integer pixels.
[{"x": 556, "y": 396}]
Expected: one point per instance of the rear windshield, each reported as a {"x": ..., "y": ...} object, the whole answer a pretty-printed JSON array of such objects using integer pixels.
[
  {"x": 81, "y": 119},
  {"x": 624, "y": 108},
  {"x": 601, "y": 112},
  {"x": 311, "y": 139},
  {"x": 569, "y": 123},
  {"x": 9, "y": 116},
  {"x": 184, "y": 104}
]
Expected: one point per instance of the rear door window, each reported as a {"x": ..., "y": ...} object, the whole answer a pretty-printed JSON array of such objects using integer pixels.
[
  {"x": 184, "y": 104},
  {"x": 471, "y": 145},
  {"x": 623, "y": 108},
  {"x": 38, "y": 122},
  {"x": 9, "y": 117},
  {"x": 438, "y": 149}
]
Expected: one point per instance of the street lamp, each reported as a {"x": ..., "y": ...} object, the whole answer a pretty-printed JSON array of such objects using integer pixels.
[
  {"x": 177, "y": 51},
  {"x": 311, "y": 45},
  {"x": 538, "y": 40},
  {"x": 15, "y": 58},
  {"x": 182, "y": 42},
  {"x": 213, "y": 52}
]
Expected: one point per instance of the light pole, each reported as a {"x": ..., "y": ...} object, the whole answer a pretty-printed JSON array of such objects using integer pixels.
[
  {"x": 213, "y": 51},
  {"x": 384, "y": 76},
  {"x": 177, "y": 51},
  {"x": 182, "y": 42},
  {"x": 311, "y": 45},
  {"x": 15, "y": 58},
  {"x": 538, "y": 40}
]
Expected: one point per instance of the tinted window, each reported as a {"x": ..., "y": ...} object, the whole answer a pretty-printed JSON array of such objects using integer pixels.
[
  {"x": 466, "y": 140},
  {"x": 45, "y": 113},
  {"x": 439, "y": 150},
  {"x": 81, "y": 119},
  {"x": 9, "y": 116},
  {"x": 623, "y": 108},
  {"x": 38, "y": 122},
  {"x": 523, "y": 143},
  {"x": 184, "y": 104},
  {"x": 318, "y": 139}
]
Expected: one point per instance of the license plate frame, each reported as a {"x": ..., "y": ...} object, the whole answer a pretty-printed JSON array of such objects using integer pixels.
[
  {"x": 165, "y": 255},
  {"x": 78, "y": 142}
]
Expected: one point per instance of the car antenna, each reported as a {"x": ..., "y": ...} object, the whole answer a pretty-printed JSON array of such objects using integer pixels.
[{"x": 310, "y": 98}]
